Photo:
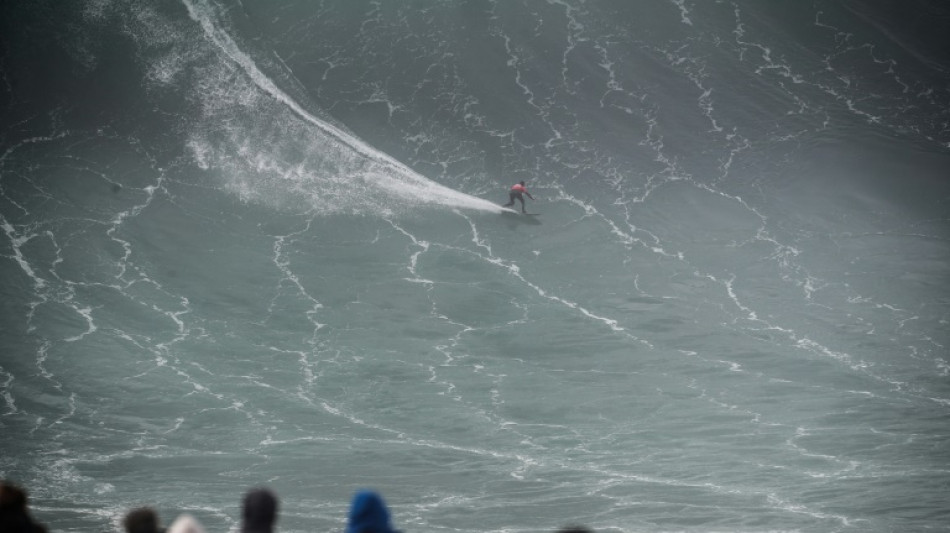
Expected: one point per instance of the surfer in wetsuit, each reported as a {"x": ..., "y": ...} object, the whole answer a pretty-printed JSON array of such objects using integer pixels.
[{"x": 516, "y": 192}]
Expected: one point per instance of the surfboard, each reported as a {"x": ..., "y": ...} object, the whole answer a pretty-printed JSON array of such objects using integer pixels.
[
  {"x": 516, "y": 217},
  {"x": 507, "y": 210}
]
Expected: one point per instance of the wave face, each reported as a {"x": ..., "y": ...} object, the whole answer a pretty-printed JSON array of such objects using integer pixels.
[{"x": 259, "y": 243}]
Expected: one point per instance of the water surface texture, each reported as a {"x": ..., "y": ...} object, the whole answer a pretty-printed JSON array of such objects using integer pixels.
[{"x": 258, "y": 242}]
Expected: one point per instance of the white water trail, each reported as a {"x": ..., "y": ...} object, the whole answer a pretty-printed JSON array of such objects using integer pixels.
[{"x": 402, "y": 182}]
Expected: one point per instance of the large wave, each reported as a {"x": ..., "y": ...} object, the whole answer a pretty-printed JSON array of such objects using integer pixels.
[{"x": 257, "y": 140}]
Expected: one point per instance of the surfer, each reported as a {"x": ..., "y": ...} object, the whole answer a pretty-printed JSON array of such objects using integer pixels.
[{"x": 516, "y": 192}]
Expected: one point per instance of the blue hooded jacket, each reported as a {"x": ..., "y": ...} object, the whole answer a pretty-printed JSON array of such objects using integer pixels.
[{"x": 368, "y": 514}]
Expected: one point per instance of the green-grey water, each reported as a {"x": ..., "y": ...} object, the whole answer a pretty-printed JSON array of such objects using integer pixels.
[{"x": 258, "y": 243}]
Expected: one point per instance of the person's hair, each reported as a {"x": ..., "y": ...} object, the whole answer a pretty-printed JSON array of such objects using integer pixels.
[
  {"x": 259, "y": 510},
  {"x": 14, "y": 516},
  {"x": 141, "y": 520},
  {"x": 12, "y": 497}
]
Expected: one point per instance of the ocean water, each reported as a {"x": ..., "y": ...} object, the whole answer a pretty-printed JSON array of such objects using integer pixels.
[{"x": 254, "y": 242}]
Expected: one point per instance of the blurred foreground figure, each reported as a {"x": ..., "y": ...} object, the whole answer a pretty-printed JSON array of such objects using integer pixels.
[
  {"x": 368, "y": 514},
  {"x": 185, "y": 524},
  {"x": 141, "y": 520},
  {"x": 14, "y": 515},
  {"x": 260, "y": 511}
]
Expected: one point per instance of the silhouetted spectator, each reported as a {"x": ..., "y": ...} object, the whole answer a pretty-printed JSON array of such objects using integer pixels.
[
  {"x": 141, "y": 520},
  {"x": 368, "y": 514},
  {"x": 260, "y": 511},
  {"x": 14, "y": 515},
  {"x": 186, "y": 524}
]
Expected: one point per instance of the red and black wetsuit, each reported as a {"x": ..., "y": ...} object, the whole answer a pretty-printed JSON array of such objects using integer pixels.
[{"x": 516, "y": 193}]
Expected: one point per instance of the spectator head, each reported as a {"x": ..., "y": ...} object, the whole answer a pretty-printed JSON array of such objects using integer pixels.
[
  {"x": 185, "y": 524},
  {"x": 14, "y": 516},
  {"x": 260, "y": 511},
  {"x": 368, "y": 514},
  {"x": 12, "y": 498},
  {"x": 141, "y": 520}
]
